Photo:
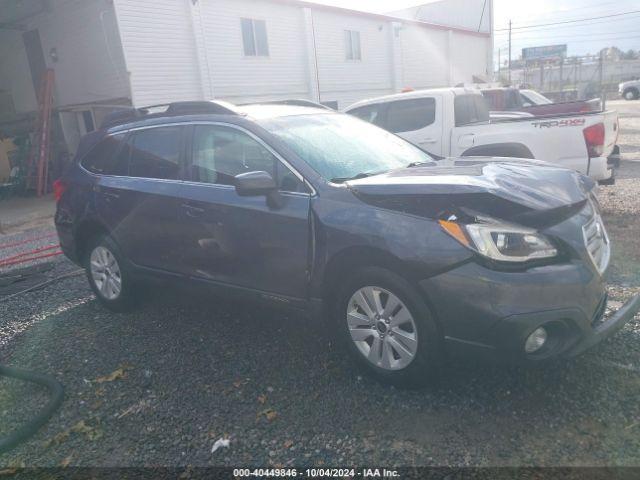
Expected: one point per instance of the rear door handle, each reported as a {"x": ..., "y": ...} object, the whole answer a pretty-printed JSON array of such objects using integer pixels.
[
  {"x": 428, "y": 141},
  {"x": 109, "y": 196},
  {"x": 192, "y": 210}
]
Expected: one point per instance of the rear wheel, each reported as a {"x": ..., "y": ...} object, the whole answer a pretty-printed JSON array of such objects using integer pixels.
[
  {"x": 631, "y": 94},
  {"x": 387, "y": 328},
  {"x": 108, "y": 276}
]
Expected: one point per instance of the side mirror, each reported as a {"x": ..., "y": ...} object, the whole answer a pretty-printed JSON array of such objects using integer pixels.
[
  {"x": 526, "y": 104},
  {"x": 255, "y": 184}
]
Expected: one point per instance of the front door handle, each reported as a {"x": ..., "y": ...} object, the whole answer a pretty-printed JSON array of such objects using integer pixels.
[
  {"x": 428, "y": 141},
  {"x": 193, "y": 211}
]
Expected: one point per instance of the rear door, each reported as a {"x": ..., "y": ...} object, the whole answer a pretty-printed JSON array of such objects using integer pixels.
[
  {"x": 418, "y": 120},
  {"x": 471, "y": 116},
  {"x": 375, "y": 113},
  {"x": 140, "y": 203},
  {"x": 243, "y": 241}
]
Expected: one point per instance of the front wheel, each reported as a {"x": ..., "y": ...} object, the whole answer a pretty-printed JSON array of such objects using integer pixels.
[
  {"x": 387, "y": 328},
  {"x": 108, "y": 276}
]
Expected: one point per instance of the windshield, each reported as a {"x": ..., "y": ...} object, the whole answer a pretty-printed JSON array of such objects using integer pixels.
[
  {"x": 535, "y": 98},
  {"x": 341, "y": 147}
]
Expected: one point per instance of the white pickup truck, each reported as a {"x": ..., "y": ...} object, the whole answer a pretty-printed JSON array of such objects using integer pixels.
[{"x": 451, "y": 122}]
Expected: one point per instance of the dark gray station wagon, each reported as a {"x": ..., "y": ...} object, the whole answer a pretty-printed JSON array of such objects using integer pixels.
[{"x": 410, "y": 258}]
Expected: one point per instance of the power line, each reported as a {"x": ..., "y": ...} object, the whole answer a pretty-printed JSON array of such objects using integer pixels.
[
  {"x": 484, "y": 5},
  {"x": 597, "y": 22},
  {"x": 571, "y": 21},
  {"x": 584, "y": 7},
  {"x": 569, "y": 35}
]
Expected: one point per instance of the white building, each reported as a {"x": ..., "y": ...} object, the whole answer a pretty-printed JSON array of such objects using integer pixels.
[{"x": 145, "y": 52}]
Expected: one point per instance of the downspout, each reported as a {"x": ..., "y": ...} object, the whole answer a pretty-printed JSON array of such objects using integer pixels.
[
  {"x": 202, "y": 54},
  {"x": 124, "y": 53}
]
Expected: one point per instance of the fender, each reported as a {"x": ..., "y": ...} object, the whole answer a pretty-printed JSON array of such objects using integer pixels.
[{"x": 513, "y": 150}]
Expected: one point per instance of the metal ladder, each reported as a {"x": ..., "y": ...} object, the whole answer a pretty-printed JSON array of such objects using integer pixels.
[{"x": 38, "y": 164}]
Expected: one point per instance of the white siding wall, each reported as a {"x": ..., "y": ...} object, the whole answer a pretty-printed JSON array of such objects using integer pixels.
[
  {"x": 90, "y": 66},
  {"x": 469, "y": 57},
  {"x": 455, "y": 13},
  {"x": 347, "y": 81},
  {"x": 239, "y": 78},
  {"x": 159, "y": 47},
  {"x": 425, "y": 57}
]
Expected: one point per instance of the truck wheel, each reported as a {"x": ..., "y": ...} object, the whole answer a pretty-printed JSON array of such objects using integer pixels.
[
  {"x": 631, "y": 94},
  {"x": 108, "y": 275},
  {"x": 387, "y": 328}
]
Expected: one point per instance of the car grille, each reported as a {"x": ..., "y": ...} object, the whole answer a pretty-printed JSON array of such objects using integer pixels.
[{"x": 597, "y": 242}]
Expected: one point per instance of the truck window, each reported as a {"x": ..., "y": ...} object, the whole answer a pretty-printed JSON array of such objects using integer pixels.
[
  {"x": 369, "y": 113},
  {"x": 470, "y": 109},
  {"x": 513, "y": 100},
  {"x": 410, "y": 115}
]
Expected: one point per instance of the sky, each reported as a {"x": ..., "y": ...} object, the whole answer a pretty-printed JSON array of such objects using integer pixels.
[{"x": 581, "y": 38}]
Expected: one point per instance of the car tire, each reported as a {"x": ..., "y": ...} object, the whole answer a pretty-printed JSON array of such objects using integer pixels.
[
  {"x": 108, "y": 275},
  {"x": 631, "y": 94},
  {"x": 405, "y": 354}
]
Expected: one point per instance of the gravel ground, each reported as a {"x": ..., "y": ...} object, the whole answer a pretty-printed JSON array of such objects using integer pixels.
[{"x": 157, "y": 387}]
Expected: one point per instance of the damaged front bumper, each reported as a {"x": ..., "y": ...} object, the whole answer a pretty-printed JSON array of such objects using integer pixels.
[{"x": 608, "y": 327}]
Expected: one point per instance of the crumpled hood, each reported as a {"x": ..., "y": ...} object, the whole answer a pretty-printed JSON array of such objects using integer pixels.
[{"x": 528, "y": 192}]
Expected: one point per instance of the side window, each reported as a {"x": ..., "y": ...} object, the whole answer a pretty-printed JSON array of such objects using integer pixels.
[
  {"x": 410, "y": 115},
  {"x": 254, "y": 37},
  {"x": 288, "y": 181},
  {"x": 155, "y": 153},
  {"x": 369, "y": 113},
  {"x": 352, "y": 45},
  {"x": 513, "y": 100},
  {"x": 221, "y": 153},
  {"x": 104, "y": 158}
]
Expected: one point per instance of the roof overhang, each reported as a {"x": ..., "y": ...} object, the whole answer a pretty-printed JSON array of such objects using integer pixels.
[{"x": 14, "y": 14}]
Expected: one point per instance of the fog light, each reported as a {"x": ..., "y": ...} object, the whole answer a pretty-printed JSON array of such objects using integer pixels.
[{"x": 536, "y": 340}]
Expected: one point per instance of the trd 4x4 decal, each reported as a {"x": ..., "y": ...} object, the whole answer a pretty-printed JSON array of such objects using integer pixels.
[{"x": 569, "y": 122}]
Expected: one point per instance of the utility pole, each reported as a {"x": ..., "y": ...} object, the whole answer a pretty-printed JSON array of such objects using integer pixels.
[
  {"x": 499, "y": 66},
  {"x": 509, "y": 52},
  {"x": 603, "y": 94}
]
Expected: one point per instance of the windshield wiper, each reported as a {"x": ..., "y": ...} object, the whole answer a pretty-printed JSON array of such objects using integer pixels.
[
  {"x": 418, "y": 164},
  {"x": 355, "y": 177}
]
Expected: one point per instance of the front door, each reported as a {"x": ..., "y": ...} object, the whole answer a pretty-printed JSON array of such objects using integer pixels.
[{"x": 243, "y": 241}]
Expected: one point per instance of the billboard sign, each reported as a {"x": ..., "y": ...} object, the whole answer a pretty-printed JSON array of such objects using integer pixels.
[{"x": 540, "y": 53}]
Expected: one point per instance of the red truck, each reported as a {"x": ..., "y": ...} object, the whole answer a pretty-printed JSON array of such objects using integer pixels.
[{"x": 529, "y": 101}]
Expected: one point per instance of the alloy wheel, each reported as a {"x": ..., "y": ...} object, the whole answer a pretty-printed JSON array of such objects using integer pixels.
[
  {"x": 382, "y": 328},
  {"x": 106, "y": 273}
]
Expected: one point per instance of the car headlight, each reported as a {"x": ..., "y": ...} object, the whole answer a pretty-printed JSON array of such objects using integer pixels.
[{"x": 501, "y": 242}]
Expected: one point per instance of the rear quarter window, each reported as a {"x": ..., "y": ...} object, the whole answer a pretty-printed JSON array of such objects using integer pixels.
[{"x": 105, "y": 157}]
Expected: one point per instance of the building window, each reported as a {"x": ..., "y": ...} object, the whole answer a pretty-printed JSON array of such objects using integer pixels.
[
  {"x": 352, "y": 45},
  {"x": 254, "y": 37}
]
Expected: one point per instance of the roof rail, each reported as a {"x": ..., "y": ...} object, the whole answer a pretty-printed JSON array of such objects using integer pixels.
[
  {"x": 300, "y": 102},
  {"x": 131, "y": 114}
]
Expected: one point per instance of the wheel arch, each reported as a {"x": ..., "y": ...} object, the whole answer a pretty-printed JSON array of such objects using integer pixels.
[
  {"x": 86, "y": 231},
  {"x": 507, "y": 149}
]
